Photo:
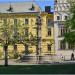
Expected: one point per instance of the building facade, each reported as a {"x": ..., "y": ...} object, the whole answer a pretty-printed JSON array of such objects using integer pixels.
[
  {"x": 24, "y": 15},
  {"x": 61, "y": 13}
]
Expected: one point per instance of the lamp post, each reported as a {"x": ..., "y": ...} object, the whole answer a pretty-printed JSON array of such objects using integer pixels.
[{"x": 38, "y": 46}]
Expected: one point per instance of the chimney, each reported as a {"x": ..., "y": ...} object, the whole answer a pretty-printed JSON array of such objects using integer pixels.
[{"x": 48, "y": 9}]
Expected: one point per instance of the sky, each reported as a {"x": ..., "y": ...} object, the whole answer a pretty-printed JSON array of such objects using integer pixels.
[{"x": 41, "y": 3}]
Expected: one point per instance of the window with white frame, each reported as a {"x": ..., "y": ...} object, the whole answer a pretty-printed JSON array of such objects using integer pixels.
[
  {"x": 26, "y": 32},
  {"x": 58, "y": 17},
  {"x": 62, "y": 45},
  {"x": 49, "y": 47},
  {"x": 49, "y": 31},
  {"x": 49, "y": 22},
  {"x": 70, "y": 46},
  {"x": 15, "y": 25},
  {"x": 65, "y": 17},
  {"x": 15, "y": 21},
  {"x": 62, "y": 30},
  {"x": 26, "y": 21}
]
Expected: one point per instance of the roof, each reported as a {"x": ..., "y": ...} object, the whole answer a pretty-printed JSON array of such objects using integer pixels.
[{"x": 19, "y": 7}]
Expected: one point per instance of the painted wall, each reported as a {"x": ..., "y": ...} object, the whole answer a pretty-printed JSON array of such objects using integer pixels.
[{"x": 32, "y": 29}]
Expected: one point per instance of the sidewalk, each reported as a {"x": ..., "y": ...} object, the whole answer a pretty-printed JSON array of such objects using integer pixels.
[{"x": 13, "y": 62}]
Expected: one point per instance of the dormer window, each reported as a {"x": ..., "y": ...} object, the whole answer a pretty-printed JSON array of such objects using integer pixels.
[
  {"x": 10, "y": 9},
  {"x": 32, "y": 8}
]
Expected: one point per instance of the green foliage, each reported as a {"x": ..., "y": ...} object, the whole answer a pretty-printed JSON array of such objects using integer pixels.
[
  {"x": 70, "y": 24},
  {"x": 11, "y": 54},
  {"x": 15, "y": 33},
  {"x": 16, "y": 55},
  {"x": 70, "y": 37},
  {"x": 27, "y": 52}
]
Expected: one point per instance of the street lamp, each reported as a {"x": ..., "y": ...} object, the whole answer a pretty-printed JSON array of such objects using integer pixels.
[{"x": 38, "y": 46}]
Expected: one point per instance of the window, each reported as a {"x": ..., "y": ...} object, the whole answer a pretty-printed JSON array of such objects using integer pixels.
[
  {"x": 62, "y": 30},
  {"x": 15, "y": 24},
  {"x": 70, "y": 46},
  {"x": 49, "y": 47},
  {"x": 49, "y": 31},
  {"x": 26, "y": 32},
  {"x": 62, "y": 45},
  {"x": 58, "y": 17},
  {"x": 32, "y": 8},
  {"x": 15, "y": 21},
  {"x": 65, "y": 17},
  {"x": 5, "y": 24},
  {"x": 26, "y": 21},
  {"x": 5, "y": 21},
  {"x": 49, "y": 22}
]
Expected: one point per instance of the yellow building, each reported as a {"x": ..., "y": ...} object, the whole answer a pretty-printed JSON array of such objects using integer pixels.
[{"x": 24, "y": 16}]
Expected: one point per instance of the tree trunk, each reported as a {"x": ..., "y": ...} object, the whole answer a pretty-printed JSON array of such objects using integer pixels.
[{"x": 6, "y": 54}]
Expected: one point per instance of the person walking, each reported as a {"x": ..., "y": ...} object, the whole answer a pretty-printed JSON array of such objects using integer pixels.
[{"x": 72, "y": 56}]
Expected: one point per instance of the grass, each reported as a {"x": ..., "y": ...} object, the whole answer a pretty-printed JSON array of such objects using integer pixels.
[{"x": 38, "y": 69}]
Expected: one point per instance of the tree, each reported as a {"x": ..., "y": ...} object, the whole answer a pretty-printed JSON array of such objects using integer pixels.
[
  {"x": 70, "y": 25},
  {"x": 5, "y": 37},
  {"x": 26, "y": 38},
  {"x": 13, "y": 34}
]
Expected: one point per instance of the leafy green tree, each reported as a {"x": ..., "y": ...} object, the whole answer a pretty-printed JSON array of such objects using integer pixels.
[
  {"x": 8, "y": 36},
  {"x": 12, "y": 35},
  {"x": 26, "y": 38},
  {"x": 70, "y": 25},
  {"x": 5, "y": 37}
]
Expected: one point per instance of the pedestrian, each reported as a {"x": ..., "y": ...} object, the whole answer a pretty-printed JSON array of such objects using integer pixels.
[{"x": 72, "y": 56}]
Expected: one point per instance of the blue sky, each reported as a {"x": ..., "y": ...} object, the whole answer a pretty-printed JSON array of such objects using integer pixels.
[{"x": 42, "y": 3}]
